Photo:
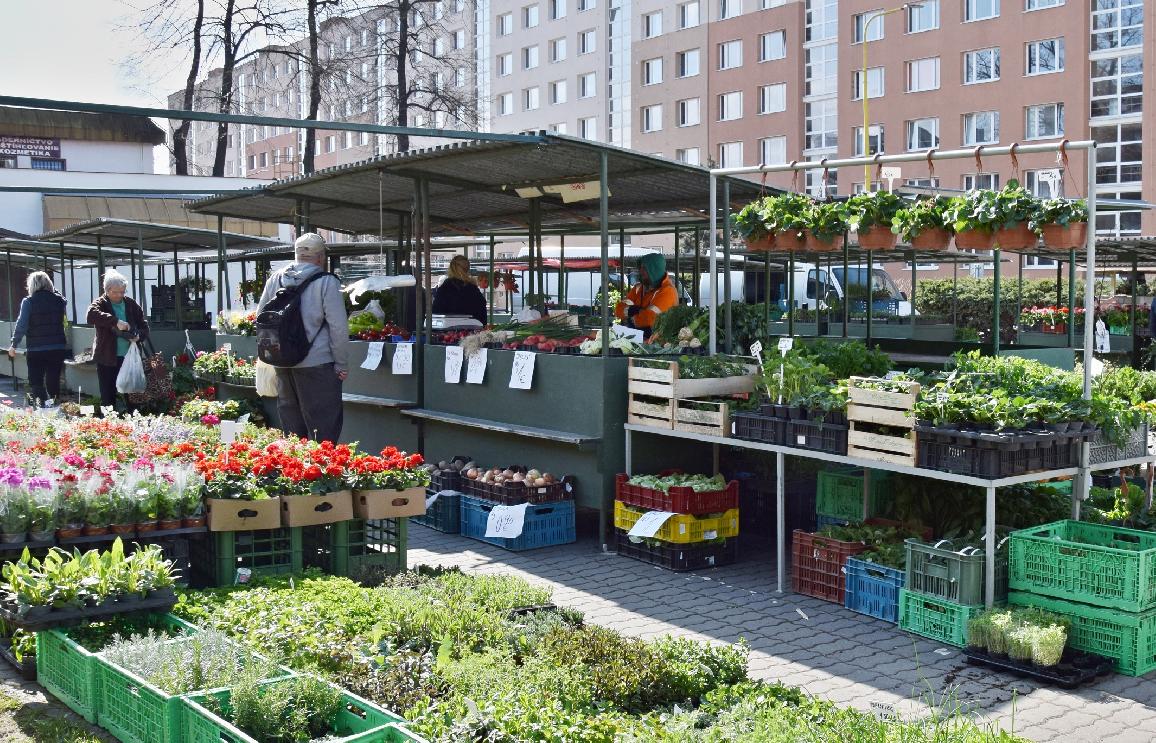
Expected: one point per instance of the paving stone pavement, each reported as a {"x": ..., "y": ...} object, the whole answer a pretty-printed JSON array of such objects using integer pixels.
[{"x": 832, "y": 652}]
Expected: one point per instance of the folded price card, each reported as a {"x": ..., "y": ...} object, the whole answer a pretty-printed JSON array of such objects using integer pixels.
[
  {"x": 507, "y": 522},
  {"x": 649, "y": 524}
]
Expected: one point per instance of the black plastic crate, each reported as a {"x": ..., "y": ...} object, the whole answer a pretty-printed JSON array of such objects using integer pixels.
[
  {"x": 758, "y": 426},
  {"x": 965, "y": 457},
  {"x": 679, "y": 557},
  {"x": 445, "y": 514},
  {"x": 1103, "y": 450},
  {"x": 445, "y": 480},
  {"x": 817, "y": 436}
]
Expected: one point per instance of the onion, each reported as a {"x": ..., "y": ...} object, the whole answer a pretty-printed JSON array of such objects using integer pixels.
[
  {"x": 548, "y": 478},
  {"x": 518, "y": 477},
  {"x": 508, "y": 473},
  {"x": 472, "y": 474},
  {"x": 539, "y": 482}
]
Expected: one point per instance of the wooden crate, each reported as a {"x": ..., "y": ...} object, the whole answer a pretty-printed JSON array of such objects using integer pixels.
[
  {"x": 646, "y": 411},
  {"x": 660, "y": 379},
  {"x": 868, "y": 409},
  {"x": 689, "y": 416}
]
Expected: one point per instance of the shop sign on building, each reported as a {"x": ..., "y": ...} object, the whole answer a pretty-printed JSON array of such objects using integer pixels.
[{"x": 29, "y": 146}]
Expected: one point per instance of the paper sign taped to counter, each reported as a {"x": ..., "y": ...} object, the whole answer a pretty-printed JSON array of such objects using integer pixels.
[
  {"x": 373, "y": 356},
  {"x": 476, "y": 366},
  {"x": 649, "y": 523},
  {"x": 621, "y": 331},
  {"x": 453, "y": 368},
  {"x": 403, "y": 358},
  {"x": 506, "y": 522},
  {"x": 522, "y": 370}
]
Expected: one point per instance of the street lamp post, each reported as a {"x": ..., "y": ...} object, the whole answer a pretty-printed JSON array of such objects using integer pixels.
[{"x": 863, "y": 84}]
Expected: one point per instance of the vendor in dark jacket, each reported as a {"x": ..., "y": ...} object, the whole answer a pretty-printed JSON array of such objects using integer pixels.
[
  {"x": 118, "y": 320},
  {"x": 41, "y": 326},
  {"x": 459, "y": 294}
]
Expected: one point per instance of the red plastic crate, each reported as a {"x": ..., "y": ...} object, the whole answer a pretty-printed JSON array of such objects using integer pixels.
[
  {"x": 817, "y": 565},
  {"x": 679, "y": 499}
]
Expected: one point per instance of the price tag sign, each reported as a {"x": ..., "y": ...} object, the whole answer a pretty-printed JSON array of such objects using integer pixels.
[
  {"x": 403, "y": 358},
  {"x": 506, "y": 522},
  {"x": 940, "y": 397},
  {"x": 1051, "y": 176},
  {"x": 621, "y": 331},
  {"x": 522, "y": 370},
  {"x": 786, "y": 344},
  {"x": 649, "y": 523},
  {"x": 757, "y": 351},
  {"x": 476, "y": 366},
  {"x": 453, "y": 368},
  {"x": 373, "y": 356},
  {"x": 88, "y": 410},
  {"x": 228, "y": 431},
  {"x": 891, "y": 175}
]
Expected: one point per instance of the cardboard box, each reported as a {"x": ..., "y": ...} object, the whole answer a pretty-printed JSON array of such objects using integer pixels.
[
  {"x": 388, "y": 504},
  {"x": 313, "y": 510},
  {"x": 230, "y": 514}
]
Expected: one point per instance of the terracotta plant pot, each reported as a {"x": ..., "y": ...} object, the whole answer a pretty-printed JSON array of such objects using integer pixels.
[
  {"x": 95, "y": 531},
  {"x": 1072, "y": 237},
  {"x": 69, "y": 532},
  {"x": 1019, "y": 237},
  {"x": 193, "y": 522},
  {"x": 168, "y": 524},
  {"x": 933, "y": 239},
  {"x": 877, "y": 238},
  {"x": 123, "y": 529},
  {"x": 814, "y": 244},
  {"x": 975, "y": 240},
  {"x": 145, "y": 527},
  {"x": 764, "y": 244}
]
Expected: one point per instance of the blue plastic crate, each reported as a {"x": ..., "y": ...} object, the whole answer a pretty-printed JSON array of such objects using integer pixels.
[
  {"x": 873, "y": 589},
  {"x": 821, "y": 521},
  {"x": 445, "y": 513},
  {"x": 546, "y": 525}
]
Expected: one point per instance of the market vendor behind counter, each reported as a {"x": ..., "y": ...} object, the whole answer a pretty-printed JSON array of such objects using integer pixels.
[
  {"x": 458, "y": 294},
  {"x": 647, "y": 299}
]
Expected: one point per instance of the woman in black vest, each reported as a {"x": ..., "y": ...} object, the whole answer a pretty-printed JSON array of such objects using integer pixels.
[{"x": 41, "y": 326}]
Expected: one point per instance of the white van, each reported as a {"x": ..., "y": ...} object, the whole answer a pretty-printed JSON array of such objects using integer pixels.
[{"x": 812, "y": 285}]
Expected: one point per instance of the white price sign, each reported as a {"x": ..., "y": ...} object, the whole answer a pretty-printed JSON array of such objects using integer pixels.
[
  {"x": 786, "y": 344},
  {"x": 403, "y": 358},
  {"x": 757, "y": 351},
  {"x": 453, "y": 368},
  {"x": 88, "y": 410},
  {"x": 476, "y": 366},
  {"x": 649, "y": 523},
  {"x": 228, "y": 431},
  {"x": 522, "y": 370},
  {"x": 373, "y": 356},
  {"x": 506, "y": 522}
]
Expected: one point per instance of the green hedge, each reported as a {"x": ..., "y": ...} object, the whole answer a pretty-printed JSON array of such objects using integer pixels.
[{"x": 976, "y": 297}]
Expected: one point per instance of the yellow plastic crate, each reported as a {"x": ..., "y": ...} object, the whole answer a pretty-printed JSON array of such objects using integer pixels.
[{"x": 682, "y": 528}]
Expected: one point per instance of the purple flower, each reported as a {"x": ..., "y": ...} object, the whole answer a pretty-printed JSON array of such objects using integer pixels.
[{"x": 39, "y": 483}]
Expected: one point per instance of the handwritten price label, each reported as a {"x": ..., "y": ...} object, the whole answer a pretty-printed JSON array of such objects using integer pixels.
[{"x": 506, "y": 522}]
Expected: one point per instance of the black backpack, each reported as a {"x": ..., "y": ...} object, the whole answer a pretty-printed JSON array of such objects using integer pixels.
[{"x": 281, "y": 337}]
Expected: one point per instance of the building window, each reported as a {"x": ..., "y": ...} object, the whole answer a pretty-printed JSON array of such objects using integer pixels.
[
  {"x": 821, "y": 69},
  {"x": 772, "y": 150},
  {"x": 363, "y": 139},
  {"x": 821, "y": 122},
  {"x": 7, "y": 161},
  {"x": 1119, "y": 223},
  {"x": 729, "y": 9},
  {"x": 922, "y": 134},
  {"x": 584, "y": 5},
  {"x": 688, "y": 15},
  {"x": 874, "y": 139},
  {"x": 505, "y": 24},
  {"x": 1117, "y": 86},
  {"x": 978, "y": 10},
  {"x": 652, "y": 25},
  {"x": 652, "y": 118},
  {"x": 505, "y": 64},
  {"x": 874, "y": 83},
  {"x": 587, "y": 85},
  {"x": 48, "y": 163},
  {"x": 652, "y": 71},
  {"x": 331, "y": 143},
  {"x": 977, "y": 181},
  {"x": 1041, "y": 4},
  {"x": 1119, "y": 152},
  {"x": 505, "y": 104},
  {"x": 530, "y": 16},
  {"x": 460, "y": 77},
  {"x": 686, "y": 63},
  {"x": 730, "y": 106},
  {"x": 772, "y": 46},
  {"x": 873, "y": 28},
  {"x": 588, "y": 127},
  {"x": 557, "y": 92},
  {"x": 921, "y": 182},
  {"x": 530, "y": 99},
  {"x": 530, "y": 57},
  {"x": 923, "y": 74},
  {"x": 586, "y": 41},
  {"x": 688, "y": 112},
  {"x": 981, "y": 128},
  {"x": 557, "y": 9},
  {"x": 690, "y": 156},
  {"x": 559, "y": 128},
  {"x": 981, "y": 66},
  {"x": 1044, "y": 121},
  {"x": 1045, "y": 56},
  {"x": 730, "y": 54},
  {"x": 730, "y": 155},
  {"x": 772, "y": 98},
  {"x": 1117, "y": 24}
]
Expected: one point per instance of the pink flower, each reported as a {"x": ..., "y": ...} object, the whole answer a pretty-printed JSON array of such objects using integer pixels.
[{"x": 210, "y": 419}]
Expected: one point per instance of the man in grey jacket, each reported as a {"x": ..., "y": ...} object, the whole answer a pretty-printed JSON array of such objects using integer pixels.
[{"x": 309, "y": 394}]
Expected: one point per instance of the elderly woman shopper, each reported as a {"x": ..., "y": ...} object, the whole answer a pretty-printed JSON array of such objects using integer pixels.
[
  {"x": 41, "y": 326},
  {"x": 118, "y": 320}
]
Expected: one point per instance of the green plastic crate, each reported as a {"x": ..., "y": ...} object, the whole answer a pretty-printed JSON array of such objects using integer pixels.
[
  {"x": 68, "y": 671},
  {"x": 1127, "y": 638},
  {"x": 1106, "y": 566},
  {"x": 348, "y": 547},
  {"x": 265, "y": 552},
  {"x": 840, "y": 494},
  {"x": 360, "y": 721},
  {"x": 940, "y": 571},
  {"x": 935, "y": 618}
]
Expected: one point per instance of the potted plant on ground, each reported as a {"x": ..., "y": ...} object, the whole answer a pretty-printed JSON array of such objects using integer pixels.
[
  {"x": 871, "y": 214},
  {"x": 924, "y": 224},
  {"x": 13, "y": 516},
  {"x": 72, "y": 510},
  {"x": 825, "y": 221},
  {"x": 98, "y": 511},
  {"x": 1063, "y": 222}
]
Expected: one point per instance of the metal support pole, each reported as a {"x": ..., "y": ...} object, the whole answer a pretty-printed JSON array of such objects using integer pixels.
[
  {"x": 1060, "y": 281},
  {"x": 766, "y": 295},
  {"x": 995, "y": 291},
  {"x": 535, "y": 227},
  {"x": 989, "y": 549},
  {"x": 177, "y": 292},
  {"x": 562, "y": 272},
  {"x": 60, "y": 282},
  {"x": 955, "y": 294},
  {"x": 1072, "y": 297},
  {"x": 697, "y": 273},
  {"x": 1019, "y": 293},
  {"x": 870, "y": 294},
  {"x": 604, "y": 230},
  {"x": 622, "y": 260},
  {"x": 780, "y": 518},
  {"x": 72, "y": 293},
  {"x": 427, "y": 259},
  {"x": 8, "y": 275},
  {"x": 712, "y": 246},
  {"x": 789, "y": 280},
  {"x": 678, "y": 265},
  {"x": 1132, "y": 317},
  {"x": 846, "y": 284},
  {"x": 911, "y": 300},
  {"x": 726, "y": 227},
  {"x": 100, "y": 258},
  {"x": 493, "y": 280},
  {"x": 1089, "y": 279},
  {"x": 221, "y": 268},
  {"x": 139, "y": 287}
]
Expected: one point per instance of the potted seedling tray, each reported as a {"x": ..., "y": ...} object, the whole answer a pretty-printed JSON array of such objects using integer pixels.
[
  {"x": 1074, "y": 669},
  {"x": 36, "y": 621}
]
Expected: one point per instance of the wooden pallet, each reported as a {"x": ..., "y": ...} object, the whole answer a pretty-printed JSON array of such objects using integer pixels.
[
  {"x": 690, "y": 416},
  {"x": 868, "y": 409},
  {"x": 660, "y": 379}
]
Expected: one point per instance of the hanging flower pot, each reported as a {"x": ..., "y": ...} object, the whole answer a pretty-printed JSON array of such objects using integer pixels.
[
  {"x": 815, "y": 244},
  {"x": 1019, "y": 237},
  {"x": 768, "y": 243},
  {"x": 877, "y": 238},
  {"x": 1065, "y": 237},
  {"x": 934, "y": 238},
  {"x": 977, "y": 239},
  {"x": 924, "y": 224},
  {"x": 871, "y": 215}
]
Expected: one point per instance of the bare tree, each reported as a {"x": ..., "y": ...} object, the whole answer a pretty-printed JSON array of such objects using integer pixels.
[{"x": 181, "y": 134}]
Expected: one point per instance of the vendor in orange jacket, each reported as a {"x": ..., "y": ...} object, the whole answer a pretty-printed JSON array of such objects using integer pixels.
[{"x": 650, "y": 297}]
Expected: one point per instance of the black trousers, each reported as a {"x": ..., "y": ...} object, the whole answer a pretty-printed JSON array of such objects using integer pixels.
[
  {"x": 44, "y": 370},
  {"x": 106, "y": 375},
  {"x": 309, "y": 402}
]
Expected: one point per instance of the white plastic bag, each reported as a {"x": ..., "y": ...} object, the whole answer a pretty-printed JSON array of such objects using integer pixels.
[
  {"x": 131, "y": 378},
  {"x": 266, "y": 379}
]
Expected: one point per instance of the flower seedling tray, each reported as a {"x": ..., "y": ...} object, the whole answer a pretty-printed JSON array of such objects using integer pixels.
[
  {"x": 1074, "y": 669},
  {"x": 37, "y": 621},
  {"x": 760, "y": 425},
  {"x": 677, "y": 499}
]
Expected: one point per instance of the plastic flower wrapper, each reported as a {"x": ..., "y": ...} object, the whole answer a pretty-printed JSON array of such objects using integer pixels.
[
  {"x": 96, "y": 491},
  {"x": 42, "y": 504},
  {"x": 187, "y": 486},
  {"x": 13, "y": 502}
]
